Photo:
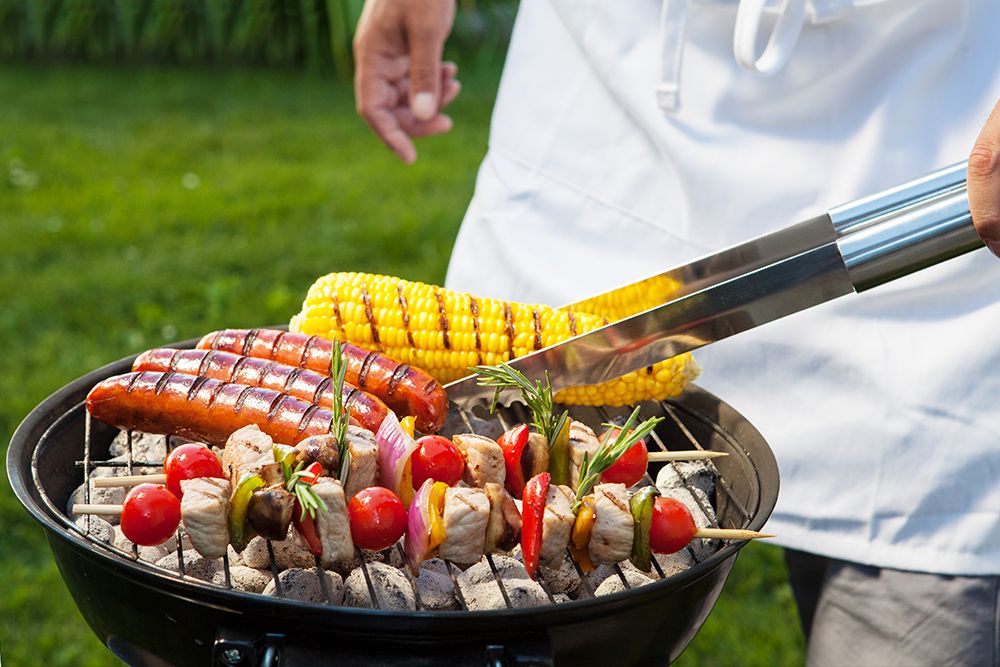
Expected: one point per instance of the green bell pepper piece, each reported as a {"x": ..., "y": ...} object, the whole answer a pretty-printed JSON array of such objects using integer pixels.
[{"x": 641, "y": 505}]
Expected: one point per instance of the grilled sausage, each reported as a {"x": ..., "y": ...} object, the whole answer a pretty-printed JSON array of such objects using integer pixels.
[
  {"x": 202, "y": 409},
  {"x": 302, "y": 383},
  {"x": 407, "y": 390}
]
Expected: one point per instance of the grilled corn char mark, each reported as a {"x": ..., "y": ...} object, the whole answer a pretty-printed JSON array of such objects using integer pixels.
[
  {"x": 474, "y": 310},
  {"x": 405, "y": 311},
  {"x": 370, "y": 316},
  {"x": 442, "y": 319},
  {"x": 508, "y": 319}
]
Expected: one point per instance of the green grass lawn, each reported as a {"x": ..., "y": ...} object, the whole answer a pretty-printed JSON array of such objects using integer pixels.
[{"x": 141, "y": 207}]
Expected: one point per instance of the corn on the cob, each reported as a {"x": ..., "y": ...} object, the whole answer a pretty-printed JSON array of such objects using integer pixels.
[
  {"x": 630, "y": 299},
  {"x": 446, "y": 332}
]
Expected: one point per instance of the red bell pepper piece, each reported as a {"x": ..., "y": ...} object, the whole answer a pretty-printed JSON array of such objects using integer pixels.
[
  {"x": 306, "y": 525},
  {"x": 512, "y": 443},
  {"x": 532, "y": 520},
  {"x": 314, "y": 470}
]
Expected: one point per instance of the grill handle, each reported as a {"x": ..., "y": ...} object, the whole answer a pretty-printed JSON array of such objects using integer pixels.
[
  {"x": 245, "y": 649},
  {"x": 905, "y": 229}
]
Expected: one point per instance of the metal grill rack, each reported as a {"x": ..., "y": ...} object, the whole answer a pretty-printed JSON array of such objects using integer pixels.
[{"x": 505, "y": 418}]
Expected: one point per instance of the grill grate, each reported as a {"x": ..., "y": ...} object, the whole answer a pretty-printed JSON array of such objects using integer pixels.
[{"x": 506, "y": 417}]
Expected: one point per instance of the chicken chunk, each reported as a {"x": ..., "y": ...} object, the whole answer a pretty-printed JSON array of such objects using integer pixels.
[
  {"x": 504, "y": 527},
  {"x": 246, "y": 450},
  {"x": 333, "y": 524},
  {"x": 483, "y": 459},
  {"x": 611, "y": 536},
  {"x": 364, "y": 460},
  {"x": 204, "y": 509},
  {"x": 581, "y": 441},
  {"x": 557, "y": 525},
  {"x": 466, "y": 513}
]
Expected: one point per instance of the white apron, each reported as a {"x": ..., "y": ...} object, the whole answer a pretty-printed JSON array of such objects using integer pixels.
[{"x": 626, "y": 140}]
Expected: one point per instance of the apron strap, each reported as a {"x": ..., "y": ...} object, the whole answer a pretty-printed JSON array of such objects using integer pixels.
[
  {"x": 673, "y": 17},
  {"x": 781, "y": 42}
]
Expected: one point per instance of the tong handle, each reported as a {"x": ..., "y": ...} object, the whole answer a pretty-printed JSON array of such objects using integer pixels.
[{"x": 905, "y": 229}]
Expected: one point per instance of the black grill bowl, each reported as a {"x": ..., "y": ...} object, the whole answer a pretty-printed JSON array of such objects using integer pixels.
[{"x": 149, "y": 617}]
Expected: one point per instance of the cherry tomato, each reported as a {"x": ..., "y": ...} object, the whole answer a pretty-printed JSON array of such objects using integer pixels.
[
  {"x": 378, "y": 518},
  {"x": 437, "y": 458},
  {"x": 150, "y": 514},
  {"x": 630, "y": 468},
  {"x": 188, "y": 462},
  {"x": 672, "y": 527}
]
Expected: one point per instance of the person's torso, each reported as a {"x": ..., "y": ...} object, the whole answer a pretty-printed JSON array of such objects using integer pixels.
[{"x": 878, "y": 405}]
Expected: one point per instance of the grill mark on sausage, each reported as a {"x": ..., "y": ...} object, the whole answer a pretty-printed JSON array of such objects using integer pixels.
[
  {"x": 174, "y": 359},
  {"x": 132, "y": 382},
  {"x": 290, "y": 379},
  {"x": 508, "y": 320},
  {"x": 215, "y": 339},
  {"x": 536, "y": 322},
  {"x": 474, "y": 310},
  {"x": 370, "y": 315},
  {"x": 161, "y": 384},
  {"x": 572, "y": 322},
  {"x": 396, "y": 377},
  {"x": 306, "y": 349},
  {"x": 326, "y": 382},
  {"x": 431, "y": 387},
  {"x": 306, "y": 417},
  {"x": 248, "y": 341},
  {"x": 365, "y": 367},
  {"x": 235, "y": 371},
  {"x": 275, "y": 343},
  {"x": 195, "y": 386},
  {"x": 351, "y": 397},
  {"x": 442, "y": 318},
  {"x": 241, "y": 399},
  {"x": 205, "y": 359},
  {"x": 216, "y": 390},
  {"x": 405, "y": 309},
  {"x": 276, "y": 402}
]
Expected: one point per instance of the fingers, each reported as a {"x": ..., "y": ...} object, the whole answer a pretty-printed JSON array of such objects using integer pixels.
[
  {"x": 386, "y": 125},
  {"x": 984, "y": 182},
  {"x": 426, "y": 33}
]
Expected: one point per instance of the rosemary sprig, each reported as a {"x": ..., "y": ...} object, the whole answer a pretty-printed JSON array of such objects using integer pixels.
[
  {"x": 537, "y": 397},
  {"x": 609, "y": 452},
  {"x": 309, "y": 500},
  {"x": 340, "y": 418}
]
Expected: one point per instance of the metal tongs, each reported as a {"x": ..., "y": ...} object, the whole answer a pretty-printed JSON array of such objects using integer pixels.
[{"x": 851, "y": 248}]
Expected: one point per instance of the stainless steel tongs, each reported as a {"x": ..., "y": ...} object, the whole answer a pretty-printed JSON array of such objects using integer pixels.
[{"x": 851, "y": 248}]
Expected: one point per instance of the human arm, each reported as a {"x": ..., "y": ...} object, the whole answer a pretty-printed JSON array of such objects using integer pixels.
[{"x": 400, "y": 83}]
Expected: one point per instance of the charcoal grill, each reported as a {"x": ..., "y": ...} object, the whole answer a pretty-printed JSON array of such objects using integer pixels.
[{"x": 152, "y": 616}]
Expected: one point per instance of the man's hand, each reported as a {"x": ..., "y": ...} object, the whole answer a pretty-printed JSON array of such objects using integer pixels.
[
  {"x": 400, "y": 84},
  {"x": 984, "y": 182}
]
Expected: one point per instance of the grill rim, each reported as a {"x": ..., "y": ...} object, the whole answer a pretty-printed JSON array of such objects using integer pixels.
[{"x": 37, "y": 423}]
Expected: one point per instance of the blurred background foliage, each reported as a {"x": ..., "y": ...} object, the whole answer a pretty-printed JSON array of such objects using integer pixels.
[{"x": 309, "y": 34}]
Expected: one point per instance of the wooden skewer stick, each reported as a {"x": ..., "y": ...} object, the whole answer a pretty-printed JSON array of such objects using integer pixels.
[
  {"x": 730, "y": 534},
  {"x": 98, "y": 510},
  {"x": 129, "y": 480},
  {"x": 686, "y": 455}
]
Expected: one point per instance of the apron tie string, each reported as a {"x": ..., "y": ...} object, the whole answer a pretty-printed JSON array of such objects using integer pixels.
[{"x": 778, "y": 49}]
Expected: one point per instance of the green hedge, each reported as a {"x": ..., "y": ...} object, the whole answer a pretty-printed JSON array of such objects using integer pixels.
[{"x": 314, "y": 34}]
